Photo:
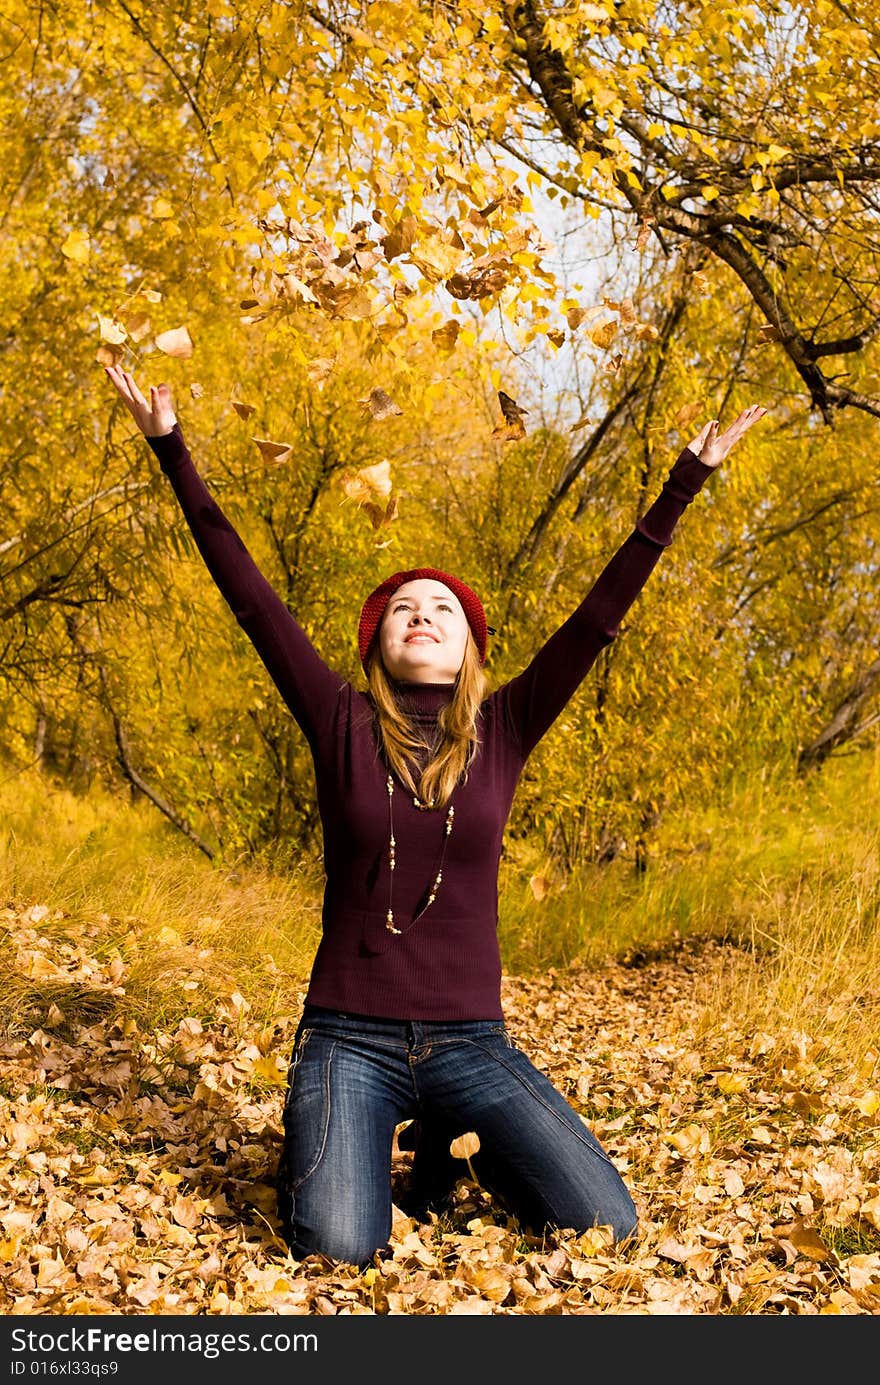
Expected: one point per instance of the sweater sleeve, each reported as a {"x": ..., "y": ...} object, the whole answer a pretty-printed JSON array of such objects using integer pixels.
[
  {"x": 533, "y": 700},
  {"x": 307, "y": 685}
]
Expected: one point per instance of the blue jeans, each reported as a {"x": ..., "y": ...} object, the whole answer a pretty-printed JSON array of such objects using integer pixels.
[{"x": 353, "y": 1079}]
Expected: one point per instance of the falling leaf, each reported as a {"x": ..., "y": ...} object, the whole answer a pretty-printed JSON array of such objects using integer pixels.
[
  {"x": 613, "y": 363},
  {"x": 176, "y": 342},
  {"x": 273, "y": 451},
  {"x": 319, "y": 369},
  {"x": 628, "y": 318},
  {"x": 137, "y": 325},
  {"x": 77, "y": 247},
  {"x": 109, "y": 355},
  {"x": 509, "y": 407},
  {"x": 370, "y": 483},
  {"x": 512, "y": 427},
  {"x": 557, "y": 338},
  {"x": 539, "y": 886},
  {"x": 243, "y": 410},
  {"x": 583, "y": 422},
  {"x": 111, "y": 331},
  {"x": 604, "y": 335},
  {"x": 381, "y": 516},
  {"x": 686, "y": 414},
  {"x": 446, "y": 336},
  {"x": 196, "y": 390},
  {"x": 465, "y": 1146},
  {"x": 380, "y": 404},
  {"x": 646, "y": 331}
]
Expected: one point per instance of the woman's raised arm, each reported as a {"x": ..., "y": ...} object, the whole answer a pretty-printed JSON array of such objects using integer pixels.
[
  {"x": 307, "y": 685},
  {"x": 533, "y": 699}
]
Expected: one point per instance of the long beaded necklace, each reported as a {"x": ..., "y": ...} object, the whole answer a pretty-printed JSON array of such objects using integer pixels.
[{"x": 447, "y": 832}]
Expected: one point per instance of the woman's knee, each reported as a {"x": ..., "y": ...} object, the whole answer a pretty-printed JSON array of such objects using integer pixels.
[
  {"x": 338, "y": 1227},
  {"x": 335, "y": 1239}
]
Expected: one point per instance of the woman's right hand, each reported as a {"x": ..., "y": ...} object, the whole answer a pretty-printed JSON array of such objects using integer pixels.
[{"x": 155, "y": 418}]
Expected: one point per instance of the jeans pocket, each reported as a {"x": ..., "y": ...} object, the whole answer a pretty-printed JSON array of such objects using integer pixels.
[{"x": 307, "y": 1106}]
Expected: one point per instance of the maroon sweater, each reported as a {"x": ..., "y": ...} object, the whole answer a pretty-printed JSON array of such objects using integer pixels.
[{"x": 447, "y": 966}]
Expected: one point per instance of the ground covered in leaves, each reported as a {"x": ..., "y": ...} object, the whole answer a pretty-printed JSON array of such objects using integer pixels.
[{"x": 136, "y": 1168}]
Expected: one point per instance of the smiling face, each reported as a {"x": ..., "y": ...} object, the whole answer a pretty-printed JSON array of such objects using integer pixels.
[{"x": 423, "y": 634}]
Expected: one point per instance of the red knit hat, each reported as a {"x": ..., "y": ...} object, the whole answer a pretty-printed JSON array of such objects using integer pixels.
[{"x": 374, "y": 607}]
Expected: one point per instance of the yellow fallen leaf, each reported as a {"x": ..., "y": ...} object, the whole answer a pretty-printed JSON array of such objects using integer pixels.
[
  {"x": 731, "y": 1083},
  {"x": 77, "y": 247},
  {"x": 870, "y": 1210},
  {"x": 269, "y": 1070},
  {"x": 39, "y": 967},
  {"x": 175, "y": 342},
  {"x": 380, "y": 404},
  {"x": 691, "y": 1140},
  {"x": 539, "y": 886},
  {"x": 686, "y": 414},
  {"x": 273, "y": 451},
  {"x": 807, "y": 1241},
  {"x": 319, "y": 368},
  {"x": 464, "y": 1146},
  {"x": 109, "y": 355},
  {"x": 370, "y": 483},
  {"x": 137, "y": 325},
  {"x": 111, "y": 331},
  {"x": 603, "y": 335}
]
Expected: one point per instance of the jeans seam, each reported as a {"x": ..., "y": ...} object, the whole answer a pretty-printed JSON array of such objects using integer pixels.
[
  {"x": 549, "y": 1109},
  {"x": 299, "y": 1182}
]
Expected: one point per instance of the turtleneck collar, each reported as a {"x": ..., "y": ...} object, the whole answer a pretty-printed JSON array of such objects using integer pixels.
[{"x": 422, "y": 699}]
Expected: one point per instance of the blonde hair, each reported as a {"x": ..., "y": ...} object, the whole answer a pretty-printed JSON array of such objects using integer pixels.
[{"x": 401, "y": 742}]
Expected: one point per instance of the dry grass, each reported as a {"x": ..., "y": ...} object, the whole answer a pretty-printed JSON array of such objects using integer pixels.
[{"x": 788, "y": 873}]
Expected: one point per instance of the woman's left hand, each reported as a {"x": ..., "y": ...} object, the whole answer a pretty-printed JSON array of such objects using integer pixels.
[{"x": 712, "y": 447}]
